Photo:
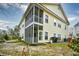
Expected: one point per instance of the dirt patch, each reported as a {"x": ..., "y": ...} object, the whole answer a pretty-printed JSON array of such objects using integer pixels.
[{"x": 14, "y": 48}]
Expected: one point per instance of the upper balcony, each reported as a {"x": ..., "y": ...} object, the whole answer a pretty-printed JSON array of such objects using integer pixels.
[
  {"x": 34, "y": 15},
  {"x": 29, "y": 20}
]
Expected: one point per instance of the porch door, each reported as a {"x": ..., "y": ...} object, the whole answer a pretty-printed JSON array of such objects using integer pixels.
[
  {"x": 40, "y": 35},
  {"x": 35, "y": 37},
  {"x": 35, "y": 33}
]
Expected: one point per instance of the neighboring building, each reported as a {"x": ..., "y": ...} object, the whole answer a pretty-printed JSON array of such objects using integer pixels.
[
  {"x": 76, "y": 27},
  {"x": 71, "y": 30},
  {"x": 42, "y": 21}
]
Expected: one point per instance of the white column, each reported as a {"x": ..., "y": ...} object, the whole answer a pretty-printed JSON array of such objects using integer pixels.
[
  {"x": 24, "y": 28},
  {"x": 38, "y": 25},
  {"x": 33, "y": 23}
]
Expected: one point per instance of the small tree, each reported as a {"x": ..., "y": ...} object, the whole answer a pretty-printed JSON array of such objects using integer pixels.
[
  {"x": 2, "y": 33},
  {"x": 1, "y": 38},
  {"x": 13, "y": 33},
  {"x": 6, "y": 37}
]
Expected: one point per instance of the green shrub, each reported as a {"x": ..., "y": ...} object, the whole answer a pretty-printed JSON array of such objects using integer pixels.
[
  {"x": 54, "y": 39},
  {"x": 75, "y": 45},
  {"x": 6, "y": 37}
]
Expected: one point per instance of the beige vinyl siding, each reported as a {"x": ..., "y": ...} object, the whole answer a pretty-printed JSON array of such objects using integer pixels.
[
  {"x": 55, "y": 8},
  {"x": 51, "y": 29},
  {"x": 22, "y": 30}
]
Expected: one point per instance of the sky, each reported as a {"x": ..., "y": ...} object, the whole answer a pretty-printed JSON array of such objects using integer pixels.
[
  {"x": 72, "y": 12},
  {"x": 11, "y": 14}
]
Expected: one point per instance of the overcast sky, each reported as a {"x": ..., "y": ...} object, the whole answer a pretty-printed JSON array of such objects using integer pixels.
[{"x": 11, "y": 14}]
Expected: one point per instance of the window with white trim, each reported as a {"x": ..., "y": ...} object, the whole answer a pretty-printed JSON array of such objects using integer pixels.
[
  {"x": 46, "y": 35},
  {"x": 40, "y": 35},
  {"x": 54, "y": 34},
  {"x": 46, "y": 18},
  {"x": 54, "y": 23},
  {"x": 59, "y": 35},
  {"x": 59, "y": 25},
  {"x": 65, "y": 27}
]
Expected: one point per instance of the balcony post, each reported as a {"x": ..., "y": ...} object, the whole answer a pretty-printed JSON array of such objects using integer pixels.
[{"x": 33, "y": 22}]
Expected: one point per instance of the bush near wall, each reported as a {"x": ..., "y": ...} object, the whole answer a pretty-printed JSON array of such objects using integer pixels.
[
  {"x": 75, "y": 45},
  {"x": 54, "y": 39}
]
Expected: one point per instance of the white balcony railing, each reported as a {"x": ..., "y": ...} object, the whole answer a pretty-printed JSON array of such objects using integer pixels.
[
  {"x": 36, "y": 19},
  {"x": 29, "y": 21}
]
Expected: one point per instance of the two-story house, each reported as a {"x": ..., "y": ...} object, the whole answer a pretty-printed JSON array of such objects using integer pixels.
[{"x": 41, "y": 21}]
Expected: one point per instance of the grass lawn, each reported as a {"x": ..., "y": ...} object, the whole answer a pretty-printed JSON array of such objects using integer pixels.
[
  {"x": 14, "y": 48},
  {"x": 64, "y": 45}
]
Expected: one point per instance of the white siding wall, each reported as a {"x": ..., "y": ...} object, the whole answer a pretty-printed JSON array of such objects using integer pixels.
[
  {"x": 56, "y": 9},
  {"x": 51, "y": 29},
  {"x": 77, "y": 31},
  {"x": 22, "y": 30}
]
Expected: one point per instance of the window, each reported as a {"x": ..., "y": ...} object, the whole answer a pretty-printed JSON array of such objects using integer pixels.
[
  {"x": 65, "y": 36},
  {"x": 65, "y": 27},
  {"x": 40, "y": 27},
  {"x": 40, "y": 13},
  {"x": 36, "y": 14},
  {"x": 54, "y": 23},
  {"x": 40, "y": 16},
  {"x": 29, "y": 17},
  {"x": 46, "y": 19},
  {"x": 46, "y": 35},
  {"x": 59, "y": 25},
  {"x": 35, "y": 27},
  {"x": 59, "y": 35},
  {"x": 54, "y": 34},
  {"x": 41, "y": 20},
  {"x": 36, "y": 19},
  {"x": 40, "y": 35},
  {"x": 36, "y": 11}
]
